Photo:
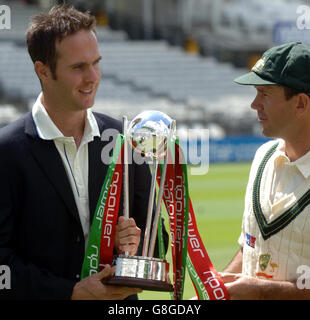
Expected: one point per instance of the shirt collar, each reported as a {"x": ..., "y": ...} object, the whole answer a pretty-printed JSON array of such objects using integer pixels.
[
  {"x": 47, "y": 129},
  {"x": 302, "y": 163}
]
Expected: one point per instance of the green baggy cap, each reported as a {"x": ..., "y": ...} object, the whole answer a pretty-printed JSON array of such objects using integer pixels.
[{"x": 286, "y": 65}]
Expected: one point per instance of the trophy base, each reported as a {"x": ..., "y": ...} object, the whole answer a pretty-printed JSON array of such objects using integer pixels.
[
  {"x": 141, "y": 272},
  {"x": 145, "y": 284}
]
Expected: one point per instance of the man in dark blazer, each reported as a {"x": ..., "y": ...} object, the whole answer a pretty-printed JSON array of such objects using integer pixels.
[{"x": 42, "y": 232}]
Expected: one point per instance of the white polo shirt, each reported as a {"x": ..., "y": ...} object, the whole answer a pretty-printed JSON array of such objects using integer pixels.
[
  {"x": 276, "y": 222},
  {"x": 75, "y": 160}
]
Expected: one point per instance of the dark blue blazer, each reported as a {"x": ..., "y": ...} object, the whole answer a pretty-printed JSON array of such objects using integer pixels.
[{"x": 41, "y": 237}]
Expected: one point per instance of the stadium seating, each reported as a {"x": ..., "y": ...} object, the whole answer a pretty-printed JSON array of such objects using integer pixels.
[
  {"x": 161, "y": 70},
  {"x": 139, "y": 75}
]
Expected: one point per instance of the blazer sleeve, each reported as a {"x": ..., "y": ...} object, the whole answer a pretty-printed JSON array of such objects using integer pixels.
[{"x": 27, "y": 281}]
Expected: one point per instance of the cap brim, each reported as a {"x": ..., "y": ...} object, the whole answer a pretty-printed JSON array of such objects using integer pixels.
[{"x": 253, "y": 79}]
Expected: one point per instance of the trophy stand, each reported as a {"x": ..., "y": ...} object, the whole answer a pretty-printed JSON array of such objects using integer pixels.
[{"x": 149, "y": 134}]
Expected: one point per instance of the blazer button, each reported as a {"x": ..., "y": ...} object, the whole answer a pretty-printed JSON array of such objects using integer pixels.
[{"x": 78, "y": 239}]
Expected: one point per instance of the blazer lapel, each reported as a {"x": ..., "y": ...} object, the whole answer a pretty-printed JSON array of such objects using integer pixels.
[
  {"x": 96, "y": 173},
  {"x": 97, "y": 170},
  {"x": 49, "y": 160}
]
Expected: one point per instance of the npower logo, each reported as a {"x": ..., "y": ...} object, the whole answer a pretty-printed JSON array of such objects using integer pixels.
[{"x": 5, "y": 17}]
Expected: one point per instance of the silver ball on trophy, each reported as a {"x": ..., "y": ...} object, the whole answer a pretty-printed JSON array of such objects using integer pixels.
[{"x": 149, "y": 132}]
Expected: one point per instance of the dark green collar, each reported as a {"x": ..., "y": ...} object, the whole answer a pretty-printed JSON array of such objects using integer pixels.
[{"x": 271, "y": 228}]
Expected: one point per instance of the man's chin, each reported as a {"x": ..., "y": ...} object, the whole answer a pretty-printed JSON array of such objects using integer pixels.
[
  {"x": 268, "y": 134},
  {"x": 87, "y": 104},
  {"x": 86, "y": 101}
]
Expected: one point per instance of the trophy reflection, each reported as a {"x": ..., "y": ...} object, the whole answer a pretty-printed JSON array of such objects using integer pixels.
[{"x": 148, "y": 134}]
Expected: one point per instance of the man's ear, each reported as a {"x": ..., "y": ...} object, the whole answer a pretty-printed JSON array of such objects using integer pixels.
[
  {"x": 42, "y": 71},
  {"x": 303, "y": 104}
]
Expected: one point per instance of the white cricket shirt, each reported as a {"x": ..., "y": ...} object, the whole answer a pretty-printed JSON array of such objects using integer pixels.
[
  {"x": 284, "y": 244},
  {"x": 75, "y": 160}
]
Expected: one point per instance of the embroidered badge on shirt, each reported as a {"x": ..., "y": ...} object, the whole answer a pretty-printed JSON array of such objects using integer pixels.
[
  {"x": 265, "y": 261},
  {"x": 250, "y": 241}
]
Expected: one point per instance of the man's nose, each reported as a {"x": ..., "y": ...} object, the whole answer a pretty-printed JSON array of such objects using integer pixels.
[
  {"x": 93, "y": 74},
  {"x": 256, "y": 104}
]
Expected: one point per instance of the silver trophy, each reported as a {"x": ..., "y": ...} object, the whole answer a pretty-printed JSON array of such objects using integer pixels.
[{"x": 148, "y": 134}]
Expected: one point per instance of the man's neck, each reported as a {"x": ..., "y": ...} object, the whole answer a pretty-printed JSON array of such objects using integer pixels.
[
  {"x": 297, "y": 148},
  {"x": 70, "y": 123}
]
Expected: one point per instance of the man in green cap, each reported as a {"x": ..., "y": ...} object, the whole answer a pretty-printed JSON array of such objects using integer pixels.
[{"x": 274, "y": 257}]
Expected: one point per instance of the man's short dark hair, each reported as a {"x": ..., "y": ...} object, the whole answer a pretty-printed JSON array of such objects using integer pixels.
[
  {"x": 47, "y": 28},
  {"x": 290, "y": 92}
]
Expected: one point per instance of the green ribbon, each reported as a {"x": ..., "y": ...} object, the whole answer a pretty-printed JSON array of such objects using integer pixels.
[{"x": 91, "y": 263}]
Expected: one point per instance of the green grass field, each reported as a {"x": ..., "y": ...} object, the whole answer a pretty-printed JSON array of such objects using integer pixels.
[{"x": 218, "y": 200}]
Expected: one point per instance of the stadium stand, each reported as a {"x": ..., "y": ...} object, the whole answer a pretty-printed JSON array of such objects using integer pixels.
[
  {"x": 140, "y": 75},
  {"x": 230, "y": 30},
  {"x": 201, "y": 86}
]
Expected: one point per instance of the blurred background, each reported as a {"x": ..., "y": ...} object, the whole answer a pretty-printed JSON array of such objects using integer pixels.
[
  {"x": 180, "y": 57},
  {"x": 177, "y": 56}
]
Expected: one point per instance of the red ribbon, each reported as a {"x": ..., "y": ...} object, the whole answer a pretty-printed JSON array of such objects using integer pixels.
[
  {"x": 111, "y": 214},
  {"x": 211, "y": 280},
  {"x": 202, "y": 263}
]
